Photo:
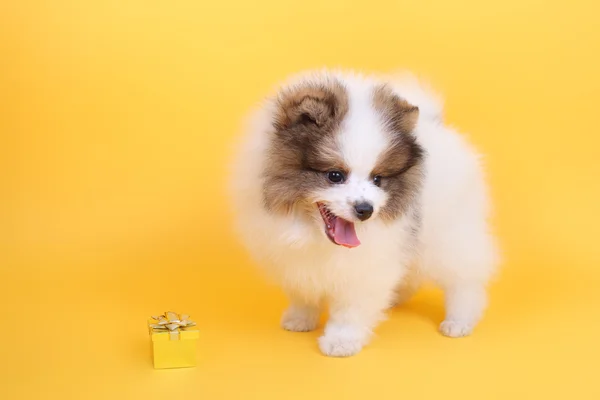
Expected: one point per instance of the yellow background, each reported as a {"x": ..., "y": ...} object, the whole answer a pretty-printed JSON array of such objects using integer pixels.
[{"x": 116, "y": 122}]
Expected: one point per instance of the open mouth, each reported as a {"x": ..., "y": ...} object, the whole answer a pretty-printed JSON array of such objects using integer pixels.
[{"x": 338, "y": 230}]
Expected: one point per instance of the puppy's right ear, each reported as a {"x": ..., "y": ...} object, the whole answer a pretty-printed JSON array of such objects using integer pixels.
[{"x": 311, "y": 106}]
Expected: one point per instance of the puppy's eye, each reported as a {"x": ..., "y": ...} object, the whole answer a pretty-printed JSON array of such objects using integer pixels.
[
  {"x": 336, "y": 177},
  {"x": 377, "y": 180}
]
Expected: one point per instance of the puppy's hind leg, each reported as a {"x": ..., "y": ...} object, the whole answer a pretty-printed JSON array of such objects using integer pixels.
[
  {"x": 302, "y": 315},
  {"x": 463, "y": 275},
  {"x": 465, "y": 304}
]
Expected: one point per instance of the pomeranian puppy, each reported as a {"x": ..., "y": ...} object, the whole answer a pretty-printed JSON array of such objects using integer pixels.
[{"x": 351, "y": 191}]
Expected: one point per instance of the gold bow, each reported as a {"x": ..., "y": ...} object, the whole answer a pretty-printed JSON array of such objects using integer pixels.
[{"x": 172, "y": 322}]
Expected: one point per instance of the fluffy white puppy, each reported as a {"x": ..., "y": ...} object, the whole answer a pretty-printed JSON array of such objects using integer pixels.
[{"x": 350, "y": 191}]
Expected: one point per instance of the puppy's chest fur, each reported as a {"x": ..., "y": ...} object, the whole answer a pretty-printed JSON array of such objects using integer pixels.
[{"x": 303, "y": 259}]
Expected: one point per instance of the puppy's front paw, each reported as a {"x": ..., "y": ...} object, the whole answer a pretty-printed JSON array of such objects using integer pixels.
[
  {"x": 456, "y": 329},
  {"x": 296, "y": 319},
  {"x": 341, "y": 341}
]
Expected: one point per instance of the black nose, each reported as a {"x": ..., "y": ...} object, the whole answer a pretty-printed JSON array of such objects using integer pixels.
[{"x": 363, "y": 211}]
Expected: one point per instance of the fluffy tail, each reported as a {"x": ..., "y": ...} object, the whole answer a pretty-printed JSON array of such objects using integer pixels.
[{"x": 415, "y": 91}]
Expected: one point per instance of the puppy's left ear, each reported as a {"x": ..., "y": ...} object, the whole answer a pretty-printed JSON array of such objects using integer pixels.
[
  {"x": 407, "y": 116},
  {"x": 398, "y": 114}
]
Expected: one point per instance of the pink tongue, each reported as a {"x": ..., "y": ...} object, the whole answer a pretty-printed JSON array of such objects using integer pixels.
[{"x": 345, "y": 235}]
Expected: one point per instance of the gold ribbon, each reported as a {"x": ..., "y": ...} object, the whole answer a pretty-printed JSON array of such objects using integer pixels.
[{"x": 172, "y": 322}]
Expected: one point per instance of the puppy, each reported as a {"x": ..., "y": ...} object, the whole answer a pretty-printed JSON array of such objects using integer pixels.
[{"x": 351, "y": 191}]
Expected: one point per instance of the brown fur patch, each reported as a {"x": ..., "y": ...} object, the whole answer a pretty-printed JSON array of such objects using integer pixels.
[
  {"x": 401, "y": 165},
  {"x": 303, "y": 147},
  {"x": 399, "y": 115}
]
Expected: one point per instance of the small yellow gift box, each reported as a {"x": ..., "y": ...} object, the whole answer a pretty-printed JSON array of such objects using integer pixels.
[{"x": 174, "y": 338}]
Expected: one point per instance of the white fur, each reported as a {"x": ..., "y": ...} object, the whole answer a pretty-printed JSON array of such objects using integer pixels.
[{"x": 454, "y": 248}]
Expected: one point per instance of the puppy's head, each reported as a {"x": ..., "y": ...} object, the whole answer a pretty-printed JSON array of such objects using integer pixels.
[{"x": 342, "y": 153}]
